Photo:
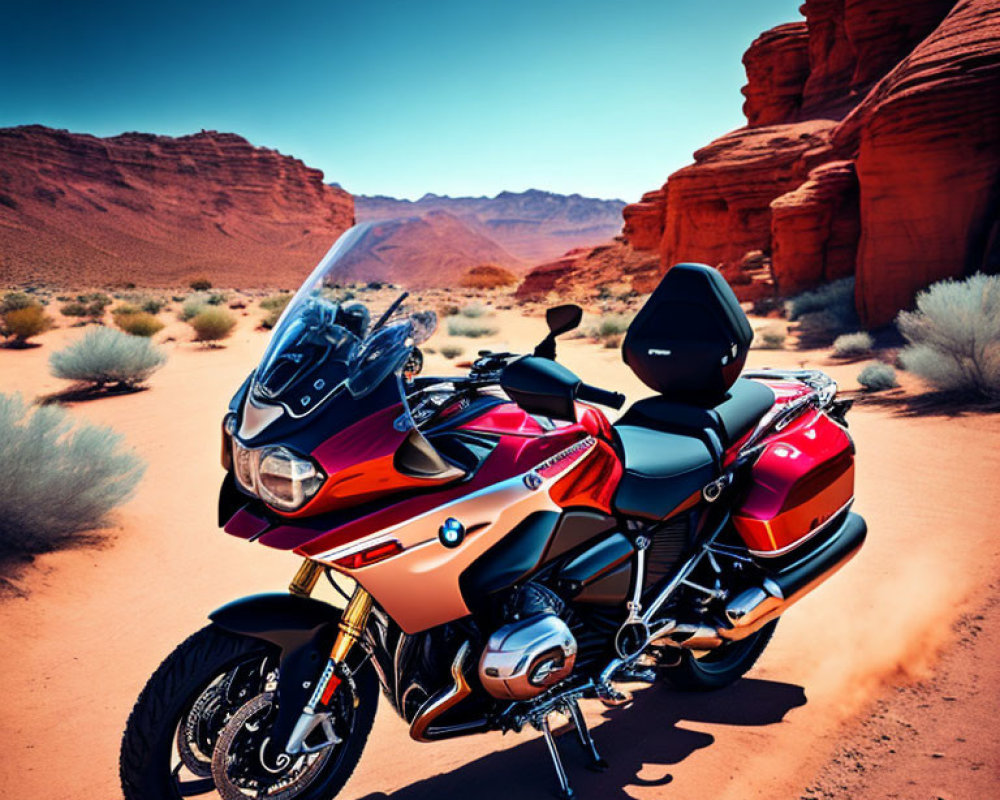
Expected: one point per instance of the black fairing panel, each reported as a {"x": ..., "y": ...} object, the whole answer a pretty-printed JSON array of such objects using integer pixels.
[
  {"x": 690, "y": 340},
  {"x": 513, "y": 557},
  {"x": 601, "y": 573}
]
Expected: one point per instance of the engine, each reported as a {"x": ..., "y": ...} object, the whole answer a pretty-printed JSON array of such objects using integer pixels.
[{"x": 533, "y": 652}]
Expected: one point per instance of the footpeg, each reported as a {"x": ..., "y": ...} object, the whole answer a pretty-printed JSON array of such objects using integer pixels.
[{"x": 634, "y": 674}]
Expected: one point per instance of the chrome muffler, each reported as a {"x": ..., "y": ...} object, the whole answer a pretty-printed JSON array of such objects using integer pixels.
[{"x": 753, "y": 608}]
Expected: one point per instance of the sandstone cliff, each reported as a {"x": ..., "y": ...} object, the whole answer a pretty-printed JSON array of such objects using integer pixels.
[
  {"x": 872, "y": 145},
  {"x": 78, "y": 210}
]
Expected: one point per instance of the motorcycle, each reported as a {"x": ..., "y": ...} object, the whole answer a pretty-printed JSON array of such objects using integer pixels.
[{"x": 511, "y": 551}]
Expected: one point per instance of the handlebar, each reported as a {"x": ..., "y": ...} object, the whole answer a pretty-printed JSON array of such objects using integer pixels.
[{"x": 593, "y": 394}]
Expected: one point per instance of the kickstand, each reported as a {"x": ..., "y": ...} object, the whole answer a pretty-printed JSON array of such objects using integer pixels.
[
  {"x": 565, "y": 792},
  {"x": 596, "y": 763}
]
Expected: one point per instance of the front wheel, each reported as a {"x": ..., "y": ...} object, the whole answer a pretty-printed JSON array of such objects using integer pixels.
[
  {"x": 215, "y": 695},
  {"x": 716, "y": 669}
]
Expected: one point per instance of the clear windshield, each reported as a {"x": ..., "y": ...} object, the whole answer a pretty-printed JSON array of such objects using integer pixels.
[{"x": 331, "y": 339}]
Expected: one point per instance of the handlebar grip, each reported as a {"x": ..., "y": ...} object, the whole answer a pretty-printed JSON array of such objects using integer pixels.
[{"x": 592, "y": 394}]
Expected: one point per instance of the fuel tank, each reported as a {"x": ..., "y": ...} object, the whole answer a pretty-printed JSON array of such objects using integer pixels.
[{"x": 803, "y": 478}]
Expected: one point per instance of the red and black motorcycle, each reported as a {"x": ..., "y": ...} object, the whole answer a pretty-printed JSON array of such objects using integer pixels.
[{"x": 511, "y": 552}]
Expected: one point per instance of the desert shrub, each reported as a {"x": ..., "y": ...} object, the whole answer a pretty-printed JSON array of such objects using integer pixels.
[
  {"x": 15, "y": 301},
  {"x": 851, "y": 345},
  {"x": 613, "y": 325},
  {"x": 448, "y": 310},
  {"x": 21, "y": 324},
  {"x": 474, "y": 310},
  {"x": 835, "y": 299},
  {"x": 151, "y": 305},
  {"x": 139, "y": 324},
  {"x": 74, "y": 309},
  {"x": 451, "y": 350},
  {"x": 954, "y": 336},
  {"x": 274, "y": 306},
  {"x": 193, "y": 306},
  {"x": 770, "y": 338},
  {"x": 217, "y": 299},
  {"x": 57, "y": 479},
  {"x": 212, "y": 324},
  {"x": 613, "y": 341},
  {"x": 878, "y": 377},
  {"x": 125, "y": 309},
  {"x": 87, "y": 305},
  {"x": 823, "y": 325},
  {"x": 200, "y": 284},
  {"x": 106, "y": 356},
  {"x": 472, "y": 328}
]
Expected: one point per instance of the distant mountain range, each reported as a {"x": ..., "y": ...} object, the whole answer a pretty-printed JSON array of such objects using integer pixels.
[{"x": 533, "y": 226}]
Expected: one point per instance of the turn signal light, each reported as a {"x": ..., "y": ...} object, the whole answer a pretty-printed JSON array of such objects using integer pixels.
[{"x": 370, "y": 556}]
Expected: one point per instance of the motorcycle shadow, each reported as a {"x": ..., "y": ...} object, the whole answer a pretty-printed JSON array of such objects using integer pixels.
[{"x": 646, "y": 737}]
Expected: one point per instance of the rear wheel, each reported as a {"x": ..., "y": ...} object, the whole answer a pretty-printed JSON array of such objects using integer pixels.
[
  {"x": 215, "y": 696},
  {"x": 716, "y": 669}
]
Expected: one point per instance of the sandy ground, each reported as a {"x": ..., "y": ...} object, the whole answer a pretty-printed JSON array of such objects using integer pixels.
[{"x": 95, "y": 622}]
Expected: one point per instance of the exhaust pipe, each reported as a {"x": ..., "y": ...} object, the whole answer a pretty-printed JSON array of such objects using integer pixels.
[
  {"x": 753, "y": 608},
  {"x": 438, "y": 703}
]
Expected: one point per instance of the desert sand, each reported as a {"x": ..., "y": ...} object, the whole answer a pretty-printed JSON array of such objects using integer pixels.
[{"x": 94, "y": 622}]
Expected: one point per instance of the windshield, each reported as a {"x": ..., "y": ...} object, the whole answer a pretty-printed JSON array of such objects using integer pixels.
[{"x": 328, "y": 340}]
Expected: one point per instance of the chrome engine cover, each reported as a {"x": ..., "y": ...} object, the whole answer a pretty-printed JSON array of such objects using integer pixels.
[{"x": 522, "y": 659}]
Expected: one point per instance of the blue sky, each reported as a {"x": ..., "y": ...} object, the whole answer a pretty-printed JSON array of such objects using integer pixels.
[{"x": 401, "y": 97}]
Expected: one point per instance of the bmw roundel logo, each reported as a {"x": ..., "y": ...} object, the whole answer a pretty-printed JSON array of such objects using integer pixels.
[{"x": 452, "y": 533}]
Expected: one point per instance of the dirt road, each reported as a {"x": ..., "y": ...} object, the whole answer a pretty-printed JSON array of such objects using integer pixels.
[{"x": 75, "y": 652}]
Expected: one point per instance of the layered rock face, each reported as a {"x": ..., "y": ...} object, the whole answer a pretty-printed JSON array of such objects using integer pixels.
[
  {"x": 578, "y": 274},
  {"x": 871, "y": 144},
  {"x": 77, "y": 210}
]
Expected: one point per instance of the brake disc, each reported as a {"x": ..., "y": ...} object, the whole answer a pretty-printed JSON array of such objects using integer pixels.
[{"x": 242, "y": 766}]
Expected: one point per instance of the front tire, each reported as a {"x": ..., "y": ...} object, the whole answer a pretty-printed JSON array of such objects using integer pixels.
[
  {"x": 170, "y": 735},
  {"x": 718, "y": 668}
]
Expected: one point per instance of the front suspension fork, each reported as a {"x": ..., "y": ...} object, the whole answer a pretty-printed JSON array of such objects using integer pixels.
[{"x": 349, "y": 631}]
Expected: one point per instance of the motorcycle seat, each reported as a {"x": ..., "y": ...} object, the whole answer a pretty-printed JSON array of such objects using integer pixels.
[
  {"x": 719, "y": 425},
  {"x": 661, "y": 471}
]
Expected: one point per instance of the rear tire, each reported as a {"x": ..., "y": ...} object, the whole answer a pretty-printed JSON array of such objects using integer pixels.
[
  {"x": 150, "y": 742},
  {"x": 718, "y": 668}
]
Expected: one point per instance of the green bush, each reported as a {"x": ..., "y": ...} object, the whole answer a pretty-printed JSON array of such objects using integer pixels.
[
  {"x": 152, "y": 305},
  {"x": 200, "y": 284},
  {"x": 21, "y": 324},
  {"x": 57, "y": 479},
  {"x": 835, "y": 299},
  {"x": 15, "y": 301},
  {"x": 217, "y": 299},
  {"x": 613, "y": 325},
  {"x": 193, "y": 306},
  {"x": 274, "y": 306},
  {"x": 770, "y": 338},
  {"x": 878, "y": 377},
  {"x": 138, "y": 324},
  {"x": 472, "y": 328},
  {"x": 852, "y": 345},
  {"x": 212, "y": 324},
  {"x": 106, "y": 356},
  {"x": 450, "y": 351},
  {"x": 954, "y": 336},
  {"x": 474, "y": 310}
]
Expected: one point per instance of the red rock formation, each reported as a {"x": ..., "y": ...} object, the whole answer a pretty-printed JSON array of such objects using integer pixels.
[
  {"x": 928, "y": 140},
  {"x": 581, "y": 273},
  {"x": 925, "y": 138},
  {"x": 814, "y": 229},
  {"x": 77, "y": 210},
  {"x": 777, "y": 66}
]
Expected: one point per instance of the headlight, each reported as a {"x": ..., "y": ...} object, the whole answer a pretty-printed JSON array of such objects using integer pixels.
[
  {"x": 276, "y": 475},
  {"x": 285, "y": 480}
]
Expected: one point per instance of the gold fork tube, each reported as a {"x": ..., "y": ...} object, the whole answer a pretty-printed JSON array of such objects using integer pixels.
[
  {"x": 305, "y": 579},
  {"x": 352, "y": 624}
]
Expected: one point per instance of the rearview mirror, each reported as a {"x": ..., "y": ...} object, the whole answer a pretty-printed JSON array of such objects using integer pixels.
[{"x": 563, "y": 318}]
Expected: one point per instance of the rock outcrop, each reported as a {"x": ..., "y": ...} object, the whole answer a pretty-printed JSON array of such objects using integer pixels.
[
  {"x": 582, "y": 274},
  {"x": 872, "y": 145},
  {"x": 78, "y": 210}
]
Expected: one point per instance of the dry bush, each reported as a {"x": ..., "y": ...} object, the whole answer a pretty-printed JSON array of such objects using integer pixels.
[
  {"x": 57, "y": 479},
  {"x": 954, "y": 336},
  {"x": 138, "y": 323},
  {"x": 212, "y": 324},
  {"x": 200, "y": 284},
  {"x": 770, "y": 338},
  {"x": 15, "y": 301},
  {"x": 878, "y": 377},
  {"x": 21, "y": 324},
  {"x": 450, "y": 351},
  {"x": 105, "y": 356},
  {"x": 852, "y": 345},
  {"x": 193, "y": 306},
  {"x": 474, "y": 310},
  {"x": 274, "y": 306},
  {"x": 472, "y": 328}
]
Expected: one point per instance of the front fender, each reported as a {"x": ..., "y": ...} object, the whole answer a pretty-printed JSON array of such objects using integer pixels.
[{"x": 302, "y": 628}]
